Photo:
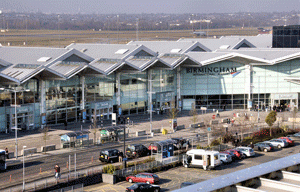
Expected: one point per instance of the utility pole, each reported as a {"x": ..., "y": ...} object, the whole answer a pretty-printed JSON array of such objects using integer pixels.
[{"x": 137, "y": 29}]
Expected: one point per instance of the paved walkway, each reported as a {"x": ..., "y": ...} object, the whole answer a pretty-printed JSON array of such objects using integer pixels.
[{"x": 140, "y": 123}]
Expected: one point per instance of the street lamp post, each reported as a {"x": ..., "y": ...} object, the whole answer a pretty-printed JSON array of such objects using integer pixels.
[{"x": 23, "y": 169}]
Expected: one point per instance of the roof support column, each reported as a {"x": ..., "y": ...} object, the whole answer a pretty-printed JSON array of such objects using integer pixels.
[
  {"x": 43, "y": 102},
  {"x": 248, "y": 87},
  {"x": 118, "y": 84},
  {"x": 149, "y": 90},
  {"x": 82, "y": 106},
  {"x": 178, "y": 89}
]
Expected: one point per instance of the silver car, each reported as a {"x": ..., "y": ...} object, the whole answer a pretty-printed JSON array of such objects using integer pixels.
[
  {"x": 248, "y": 151},
  {"x": 279, "y": 143},
  {"x": 225, "y": 158}
]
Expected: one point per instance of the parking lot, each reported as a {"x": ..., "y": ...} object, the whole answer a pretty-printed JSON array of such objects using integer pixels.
[{"x": 171, "y": 179}]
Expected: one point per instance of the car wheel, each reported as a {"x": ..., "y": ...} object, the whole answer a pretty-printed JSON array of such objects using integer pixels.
[
  {"x": 111, "y": 161},
  {"x": 130, "y": 180},
  {"x": 265, "y": 150},
  {"x": 148, "y": 182},
  {"x": 148, "y": 153},
  {"x": 279, "y": 146},
  {"x": 156, "y": 190},
  {"x": 222, "y": 162}
]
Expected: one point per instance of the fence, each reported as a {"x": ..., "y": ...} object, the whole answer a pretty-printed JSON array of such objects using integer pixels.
[
  {"x": 147, "y": 166},
  {"x": 74, "y": 188}
]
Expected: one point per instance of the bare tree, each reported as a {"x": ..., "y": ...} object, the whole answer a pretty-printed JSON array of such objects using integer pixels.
[
  {"x": 173, "y": 112},
  {"x": 45, "y": 135},
  {"x": 94, "y": 125},
  {"x": 294, "y": 114},
  {"x": 194, "y": 114}
]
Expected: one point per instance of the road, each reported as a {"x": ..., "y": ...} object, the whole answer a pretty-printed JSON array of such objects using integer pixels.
[{"x": 171, "y": 179}]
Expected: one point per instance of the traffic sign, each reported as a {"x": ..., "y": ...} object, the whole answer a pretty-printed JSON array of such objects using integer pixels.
[
  {"x": 208, "y": 128},
  {"x": 203, "y": 108},
  {"x": 15, "y": 105}
]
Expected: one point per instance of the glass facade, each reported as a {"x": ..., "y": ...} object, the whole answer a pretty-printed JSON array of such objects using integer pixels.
[{"x": 286, "y": 36}]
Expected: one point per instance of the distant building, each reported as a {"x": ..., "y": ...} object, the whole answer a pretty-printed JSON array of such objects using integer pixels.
[{"x": 286, "y": 36}]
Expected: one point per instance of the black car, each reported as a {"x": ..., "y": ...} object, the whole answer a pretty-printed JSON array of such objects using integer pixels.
[
  {"x": 184, "y": 184},
  {"x": 263, "y": 147},
  {"x": 109, "y": 155},
  {"x": 180, "y": 143},
  {"x": 143, "y": 187},
  {"x": 137, "y": 150}
]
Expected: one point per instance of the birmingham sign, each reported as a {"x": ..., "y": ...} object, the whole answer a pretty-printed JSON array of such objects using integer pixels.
[{"x": 211, "y": 70}]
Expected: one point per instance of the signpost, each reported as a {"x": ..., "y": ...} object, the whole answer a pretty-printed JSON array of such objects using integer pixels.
[{"x": 203, "y": 109}]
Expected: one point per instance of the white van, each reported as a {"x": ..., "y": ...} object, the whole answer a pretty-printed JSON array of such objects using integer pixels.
[{"x": 202, "y": 158}]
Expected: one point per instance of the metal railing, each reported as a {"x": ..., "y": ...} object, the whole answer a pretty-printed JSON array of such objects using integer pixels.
[
  {"x": 74, "y": 188},
  {"x": 146, "y": 166}
]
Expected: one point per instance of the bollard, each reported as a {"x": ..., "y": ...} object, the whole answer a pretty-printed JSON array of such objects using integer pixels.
[
  {"x": 92, "y": 159},
  {"x": 40, "y": 170},
  {"x": 10, "y": 178}
]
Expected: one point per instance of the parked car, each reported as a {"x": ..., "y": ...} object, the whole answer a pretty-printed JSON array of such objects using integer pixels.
[
  {"x": 149, "y": 178},
  {"x": 279, "y": 143},
  {"x": 143, "y": 187},
  {"x": 137, "y": 150},
  {"x": 290, "y": 141},
  {"x": 109, "y": 155},
  {"x": 225, "y": 158},
  {"x": 185, "y": 184},
  {"x": 265, "y": 147},
  {"x": 180, "y": 143},
  {"x": 248, "y": 151},
  {"x": 232, "y": 155},
  {"x": 237, "y": 153}
]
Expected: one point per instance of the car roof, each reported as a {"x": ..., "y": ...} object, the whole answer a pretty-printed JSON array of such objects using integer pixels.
[{"x": 147, "y": 173}]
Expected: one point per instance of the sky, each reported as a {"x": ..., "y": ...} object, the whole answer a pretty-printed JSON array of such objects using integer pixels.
[{"x": 148, "y": 6}]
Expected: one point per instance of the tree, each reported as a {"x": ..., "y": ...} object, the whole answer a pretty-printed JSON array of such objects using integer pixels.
[
  {"x": 45, "y": 135},
  {"x": 294, "y": 114},
  {"x": 173, "y": 113},
  {"x": 94, "y": 125},
  {"x": 270, "y": 120},
  {"x": 194, "y": 114}
]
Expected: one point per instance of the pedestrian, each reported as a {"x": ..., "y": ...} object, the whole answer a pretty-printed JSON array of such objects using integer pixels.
[
  {"x": 57, "y": 172},
  {"x": 66, "y": 124},
  {"x": 161, "y": 109},
  {"x": 218, "y": 115},
  {"x": 120, "y": 156},
  {"x": 6, "y": 153},
  {"x": 251, "y": 145}
]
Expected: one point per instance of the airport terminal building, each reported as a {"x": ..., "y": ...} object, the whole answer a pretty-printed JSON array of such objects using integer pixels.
[{"x": 58, "y": 85}]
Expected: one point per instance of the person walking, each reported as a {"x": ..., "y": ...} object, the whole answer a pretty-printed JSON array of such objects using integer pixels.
[
  {"x": 6, "y": 153},
  {"x": 57, "y": 172},
  {"x": 120, "y": 156}
]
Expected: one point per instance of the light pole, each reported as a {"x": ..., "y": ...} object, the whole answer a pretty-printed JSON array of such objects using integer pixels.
[
  {"x": 258, "y": 100},
  {"x": 23, "y": 169},
  {"x": 151, "y": 107},
  {"x": 16, "y": 118}
]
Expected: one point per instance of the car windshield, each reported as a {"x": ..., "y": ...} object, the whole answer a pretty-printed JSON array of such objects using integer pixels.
[
  {"x": 104, "y": 152},
  {"x": 131, "y": 147},
  {"x": 155, "y": 175},
  {"x": 134, "y": 186}
]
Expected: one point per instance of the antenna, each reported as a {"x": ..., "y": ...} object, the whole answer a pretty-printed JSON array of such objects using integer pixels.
[
  {"x": 137, "y": 29},
  {"x": 118, "y": 27}
]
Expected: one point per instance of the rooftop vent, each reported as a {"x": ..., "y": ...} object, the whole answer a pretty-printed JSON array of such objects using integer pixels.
[
  {"x": 224, "y": 46},
  {"x": 43, "y": 59},
  {"x": 175, "y": 50},
  {"x": 121, "y": 51},
  {"x": 83, "y": 50}
]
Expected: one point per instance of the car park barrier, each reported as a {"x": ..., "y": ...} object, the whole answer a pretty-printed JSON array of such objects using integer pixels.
[
  {"x": 197, "y": 125},
  {"x": 214, "y": 122},
  {"x": 156, "y": 130},
  {"x": 180, "y": 127},
  {"x": 30, "y": 151},
  {"x": 48, "y": 148},
  {"x": 140, "y": 133}
]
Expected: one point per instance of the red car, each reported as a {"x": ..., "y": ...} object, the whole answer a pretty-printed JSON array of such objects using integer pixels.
[
  {"x": 149, "y": 178},
  {"x": 288, "y": 140},
  {"x": 237, "y": 153}
]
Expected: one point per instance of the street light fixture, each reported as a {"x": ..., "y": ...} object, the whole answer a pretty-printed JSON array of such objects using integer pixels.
[{"x": 23, "y": 169}]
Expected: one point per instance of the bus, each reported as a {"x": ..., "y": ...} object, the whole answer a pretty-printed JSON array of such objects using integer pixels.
[{"x": 2, "y": 160}]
